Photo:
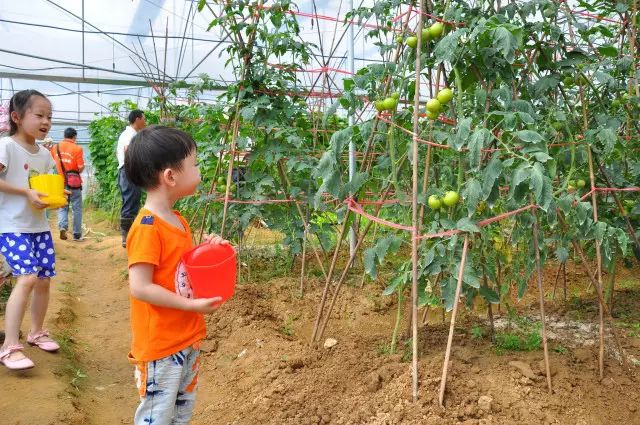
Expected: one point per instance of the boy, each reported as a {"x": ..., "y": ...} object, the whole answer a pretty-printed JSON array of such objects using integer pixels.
[{"x": 167, "y": 328}]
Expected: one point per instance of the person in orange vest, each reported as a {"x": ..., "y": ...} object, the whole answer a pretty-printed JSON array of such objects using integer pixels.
[{"x": 70, "y": 167}]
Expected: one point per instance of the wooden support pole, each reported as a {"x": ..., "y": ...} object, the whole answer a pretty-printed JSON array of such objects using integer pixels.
[
  {"x": 541, "y": 297},
  {"x": 454, "y": 312},
  {"x": 414, "y": 213},
  {"x": 594, "y": 204}
]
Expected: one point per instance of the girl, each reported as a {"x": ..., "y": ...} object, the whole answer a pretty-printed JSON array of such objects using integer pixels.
[{"x": 25, "y": 237}]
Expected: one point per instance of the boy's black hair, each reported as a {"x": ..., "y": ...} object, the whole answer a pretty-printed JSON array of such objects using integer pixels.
[
  {"x": 70, "y": 133},
  {"x": 153, "y": 150},
  {"x": 134, "y": 115},
  {"x": 20, "y": 102}
]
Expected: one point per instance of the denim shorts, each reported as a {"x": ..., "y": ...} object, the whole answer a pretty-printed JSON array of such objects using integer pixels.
[
  {"x": 29, "y": 253},
  {"x": 167, "y": 388}
]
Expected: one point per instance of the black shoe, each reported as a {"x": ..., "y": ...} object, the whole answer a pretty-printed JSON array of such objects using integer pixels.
[
  {"x": 63, "y": 234},
  {"x": 77, "y": 237}
]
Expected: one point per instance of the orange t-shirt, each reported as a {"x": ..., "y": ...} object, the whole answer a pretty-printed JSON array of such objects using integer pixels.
[
  {"x": 160, "y": 331},
  {"x": 71, "y": 155}
]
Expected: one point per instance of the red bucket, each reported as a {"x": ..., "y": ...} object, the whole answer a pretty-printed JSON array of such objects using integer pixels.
[{"x": 211, "y": 270}]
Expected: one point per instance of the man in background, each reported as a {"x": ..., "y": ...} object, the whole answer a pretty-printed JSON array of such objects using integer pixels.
[
  {"x": 130, "y": 193},
  {"x": 69, "y": 159}
]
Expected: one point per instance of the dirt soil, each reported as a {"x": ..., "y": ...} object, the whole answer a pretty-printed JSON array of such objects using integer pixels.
[{"x": 258, "y": 367}]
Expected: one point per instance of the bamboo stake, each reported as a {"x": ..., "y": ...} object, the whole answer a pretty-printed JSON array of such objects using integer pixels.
[
  {"x": 447, "y": 354},
  {"x": 541, "y": 298},
  {"x": 236, "y": 115},
  {"x": 594, "y": 203},
  {"x": 304, "y": 256},
  {"x": 414, "y": 214},
  {"x": 323, "y": 299},
  {"x": 555, "y": 284}
]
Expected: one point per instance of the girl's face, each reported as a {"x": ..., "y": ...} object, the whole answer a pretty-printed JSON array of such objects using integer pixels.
[
  {"x": 36, "y": 121},
  {"x": 188, "y": 178}
]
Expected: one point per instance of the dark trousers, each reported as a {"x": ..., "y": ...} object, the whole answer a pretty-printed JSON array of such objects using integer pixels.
[{"x": 130, "y": 202}]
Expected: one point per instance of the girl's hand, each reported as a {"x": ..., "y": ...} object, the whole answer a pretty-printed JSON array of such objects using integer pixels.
[
  {"x": 205, "y": 305},
  {"x": 67, "y": 192},
  {"x": 215, "y": 240},
  {"x": 34, "y": 197}
]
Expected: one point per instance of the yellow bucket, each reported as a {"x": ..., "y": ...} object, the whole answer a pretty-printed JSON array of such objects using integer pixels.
[{"x": 53, "y": 186}]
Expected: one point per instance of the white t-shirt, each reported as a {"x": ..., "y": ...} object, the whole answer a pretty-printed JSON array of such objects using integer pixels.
[
  {"x": 123, "y": 142},
  {"x": 16, "y": 213}
]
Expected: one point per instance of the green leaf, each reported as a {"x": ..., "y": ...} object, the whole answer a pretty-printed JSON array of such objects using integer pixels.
[
  {"x": 477, "y": 142},
  {"x": 529, "y": 136},
  {"x": 462, "y": 135},
  {"x": 489, "y": 295},
  {"x": 370, "y": 262},
  {"x": 505, "y": 42},
  {"x": 562, "y": 254},
  {"x": 471, "y": 193},
  {"x": 536, "y": 181},
  {"x": 608, "y": 50},
  {"x": 465, "y": 224},
  {"x": 447, "y": 47},
  {"x": 348, "y": 84},
  {"x": 545, "y": 84},
  {"x": 491, "y": 173}
]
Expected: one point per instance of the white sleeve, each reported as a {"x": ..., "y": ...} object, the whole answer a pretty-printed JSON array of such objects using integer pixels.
[{"x": 4, "y": 153}]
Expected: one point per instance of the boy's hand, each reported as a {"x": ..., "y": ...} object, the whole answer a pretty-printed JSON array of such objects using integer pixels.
[
  {"x": 67, "y": 192},
  {"x": 34, "y": 197},
  {"x": 205, "y": 305},
  {"x": 215, "y": 240}
]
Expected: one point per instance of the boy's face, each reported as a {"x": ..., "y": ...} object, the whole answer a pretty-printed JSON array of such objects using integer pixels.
[{"x": 188, "y": 178}]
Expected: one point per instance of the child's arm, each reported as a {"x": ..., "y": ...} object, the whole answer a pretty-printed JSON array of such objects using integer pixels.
[
  {"x": 142, "y": 288},
  {"x": 32, "y": 195}
]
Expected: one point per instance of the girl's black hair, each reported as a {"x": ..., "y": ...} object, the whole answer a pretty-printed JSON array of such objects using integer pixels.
[
  {"x": 20, "y": 102},
  {"x": 153, "y": 150}
]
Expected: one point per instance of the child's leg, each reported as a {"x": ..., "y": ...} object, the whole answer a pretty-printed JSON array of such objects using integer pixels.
[
  {"x": 161, "y": 381},
  {"x": 16, "y": 306},
  {"x": 187, "y": 393},
  {"x": 39, "y": 304},
  {"x": 44, "y": 255}
]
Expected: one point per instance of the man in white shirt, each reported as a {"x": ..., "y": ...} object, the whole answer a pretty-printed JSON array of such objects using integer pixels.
[{"x": 130, "y": 193}]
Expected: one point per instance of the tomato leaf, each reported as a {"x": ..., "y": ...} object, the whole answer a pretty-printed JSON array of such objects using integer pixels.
[
  {"x": 529, "y": 136},
  {"x": 471, "y": 195},
  {"x": 477, "y": 142},
  {"x": 562, "y": 254},
  {"x": 462, "y": 135},
  {"x": 491, "y": 174},
  {"x": 466, "y": 225},
  {"x": 489, "y": 295}
]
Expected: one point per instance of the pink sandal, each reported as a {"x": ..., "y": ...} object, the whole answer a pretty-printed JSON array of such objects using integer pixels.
[
  {"x": 21, "y": 364},
  {"x": 46, "y": 345}
]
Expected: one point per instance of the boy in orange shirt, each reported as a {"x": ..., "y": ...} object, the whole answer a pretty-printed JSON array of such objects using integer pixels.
[{"x": 167, "y": 328}]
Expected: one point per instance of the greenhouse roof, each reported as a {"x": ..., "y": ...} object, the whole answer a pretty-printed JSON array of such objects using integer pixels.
[{"x": 86, "y": 55}]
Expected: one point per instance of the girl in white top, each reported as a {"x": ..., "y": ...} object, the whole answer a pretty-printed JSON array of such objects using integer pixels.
[{"x": 25, "y": 237}]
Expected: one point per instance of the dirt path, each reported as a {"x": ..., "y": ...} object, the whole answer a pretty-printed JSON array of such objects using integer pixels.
[{"x": 89, "y": 381}]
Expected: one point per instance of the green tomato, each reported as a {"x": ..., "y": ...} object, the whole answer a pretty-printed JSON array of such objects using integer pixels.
[
  {"x": 379, "y": 104},
  {"x": 434, "y": 202},
  {"x": 390, "y": 103},
  {"x": 557, "y": 125},
  {"x": 451, "y": 198},
  {"x": 433, "y": 115},
  {"x": 412, "y": 42},
  {"x": 399, "y": 39},
  {"x": 433, "y": 105},
  {"x": 581, "y": 183},
  {"x": 445, "y": 95},
  {"x": 222, "y": 188},
  {"x": 436, "y": 30},
  {"x": 395, "y": 95},
  {"x": 221, "y": 180},
  {"x": 426, "y": 35}
]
